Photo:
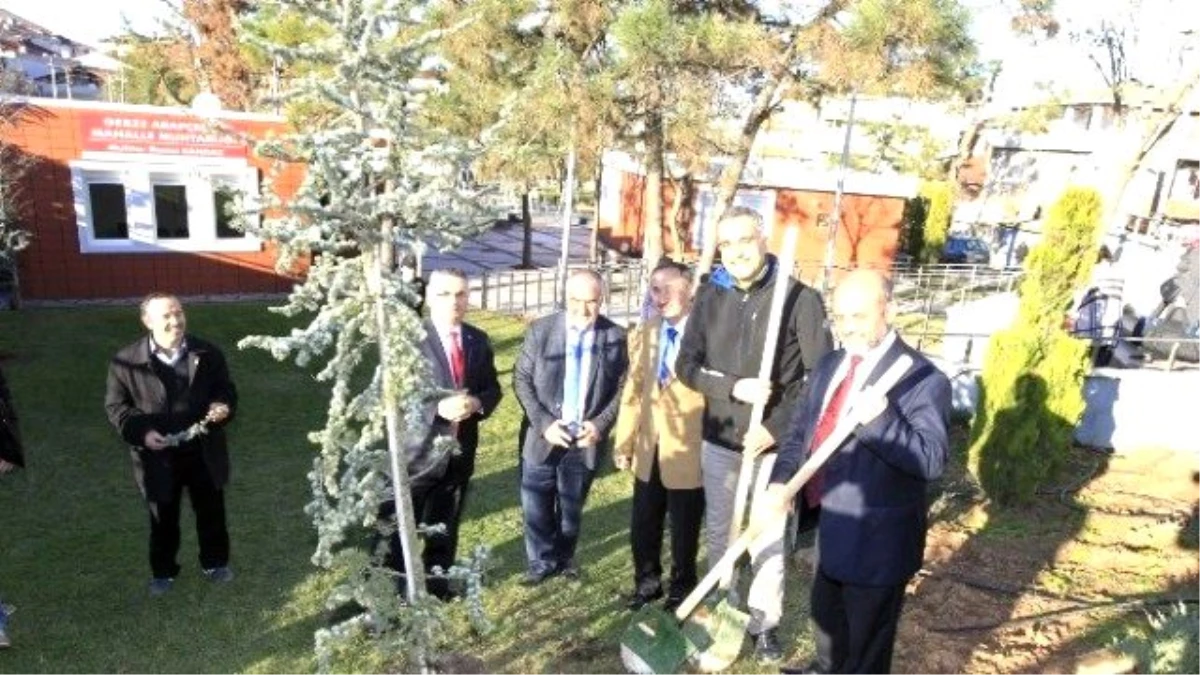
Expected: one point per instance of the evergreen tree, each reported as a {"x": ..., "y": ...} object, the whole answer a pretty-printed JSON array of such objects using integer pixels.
[
  {"x": 1031, "y": 390},
  {"x": 378, "y": 178},
  {"x": 938, "y": 197}
]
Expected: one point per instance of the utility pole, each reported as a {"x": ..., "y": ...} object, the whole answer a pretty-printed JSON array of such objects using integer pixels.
[{"x": 567, "y": 205}]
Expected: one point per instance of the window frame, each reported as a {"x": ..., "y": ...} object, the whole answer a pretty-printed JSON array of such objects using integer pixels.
[{"x": 138, "y": 179}]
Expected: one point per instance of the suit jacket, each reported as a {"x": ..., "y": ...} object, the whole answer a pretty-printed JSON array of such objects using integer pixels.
[
  {"x": 136, "y": 402},
  {"x": 538, "y": 382},
  {"x": 873, "y": 506},
  {"x": 479, "y": 379},
  {"x": 11, "y": 449},
  {"x": 667, "y": 418}
]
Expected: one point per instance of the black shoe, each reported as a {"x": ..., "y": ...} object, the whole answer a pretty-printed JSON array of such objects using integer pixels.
[
  {"x": 810, "y": 669},
  {"x": 672, "y": 602},
  {"x": 571, "y": 572},
  {"x": 766, "y": 647},
  {"x": 638, "y": 599},
  {"x": 533, "y": 578}
]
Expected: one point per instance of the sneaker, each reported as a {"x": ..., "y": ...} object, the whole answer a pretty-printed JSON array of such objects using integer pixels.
[
  {"x": 766, "y": 647},
  {"x": 160, "y": 585},
  {"x": 5, "y": 643},
  {"x": 219, "y": 575}
]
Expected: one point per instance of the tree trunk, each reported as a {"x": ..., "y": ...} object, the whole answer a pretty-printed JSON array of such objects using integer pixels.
[
  {"x": 683, "y": 195},
  {"x": 652, "y": 239},
  {"x": 526, "y": 233},
  {"x": 594, "y": 233}
]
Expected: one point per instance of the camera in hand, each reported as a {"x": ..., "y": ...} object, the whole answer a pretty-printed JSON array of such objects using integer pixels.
[{"x": 574, "y": 430}]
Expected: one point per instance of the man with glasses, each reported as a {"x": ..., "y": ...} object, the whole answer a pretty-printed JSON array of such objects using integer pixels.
[
  {"x": 568, "y": 381},
  {"x": 720, "y": 357}
]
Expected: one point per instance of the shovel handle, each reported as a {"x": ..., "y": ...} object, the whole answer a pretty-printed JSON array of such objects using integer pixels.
[{"x": 816, "y": 460}]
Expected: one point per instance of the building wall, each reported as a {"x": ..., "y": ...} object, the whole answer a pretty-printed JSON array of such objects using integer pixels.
[
  {"x": 53, "y": 267},
  {"x": 868, "y": 236}
]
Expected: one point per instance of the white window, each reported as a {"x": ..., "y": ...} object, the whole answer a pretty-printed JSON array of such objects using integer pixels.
[{"x": 125, "y": 207}]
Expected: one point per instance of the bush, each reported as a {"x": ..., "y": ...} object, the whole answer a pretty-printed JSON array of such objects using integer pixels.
[
  {"x": 1168, "y": 645},
  {"x": 1031, "y": 393},
  {"x": 913, "y": 222},
  {"x": 938, "y": 198}
]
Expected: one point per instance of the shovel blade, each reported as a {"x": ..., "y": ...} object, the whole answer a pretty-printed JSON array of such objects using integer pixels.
[
  {"x": 653, "y": 643},
  {"x": 726, "y": 632}
]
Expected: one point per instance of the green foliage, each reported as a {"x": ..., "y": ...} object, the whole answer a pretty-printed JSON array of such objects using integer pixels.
[
  {"x": 380, "y": 177},
  {"x": 1168, "y": 644},
  {"x": 899, "y": 147},
  {"x": 916, "y": 210},
  {"x": 1031, "y": 388},
  {"x": 939, "y": 199}
]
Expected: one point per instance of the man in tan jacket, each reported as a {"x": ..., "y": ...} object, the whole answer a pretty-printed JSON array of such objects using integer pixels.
[{"x": 658, "y": 437}]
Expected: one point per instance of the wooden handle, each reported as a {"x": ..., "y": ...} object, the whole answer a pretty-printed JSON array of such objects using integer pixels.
[
  {"x": 816, "y": 460},
  {"x": 783, "y": 272}
]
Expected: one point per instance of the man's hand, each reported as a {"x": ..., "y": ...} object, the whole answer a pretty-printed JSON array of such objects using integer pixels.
[
  {"x": 752, "y": 390},
  {"x": 770, "y": 506},
  {"x": 869, "y": 406},
  {"x": 589, "y": 435},
  {"x": 154, "y": 440},
  {"x": 6, "y": 467},
  {"x": 217, "y": 412},
  {"x": 458, "y": 407},
  {"x": 557, "y": 434},
  {"x": 757, "y": 440},
  {"x": 623, "y": 462}
]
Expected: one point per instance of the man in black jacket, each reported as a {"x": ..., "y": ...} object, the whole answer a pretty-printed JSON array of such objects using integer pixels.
[
  {"x": 170, "y": 396},
  {"x": 12, "y": 458},
  {"x": 462, "y": 365},
  {"x": 720, "y": 357}
]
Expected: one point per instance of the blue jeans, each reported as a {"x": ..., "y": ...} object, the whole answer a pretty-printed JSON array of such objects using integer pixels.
[{"x": 552, "y": 497}]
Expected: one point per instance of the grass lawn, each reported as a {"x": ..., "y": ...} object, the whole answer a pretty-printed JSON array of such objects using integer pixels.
[{"x": 73, "y": 557}]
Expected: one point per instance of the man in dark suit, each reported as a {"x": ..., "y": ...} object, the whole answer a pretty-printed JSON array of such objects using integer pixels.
[
  {"x": 463, "y": 368},
  {"x": 12, "y": 457},
  {"x": 568, "y": 380},
  {"x": 871, "y": 536},
  {"x": 170, "y": 396}
]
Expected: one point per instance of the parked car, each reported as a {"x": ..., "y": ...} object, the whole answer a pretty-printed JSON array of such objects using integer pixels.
[{"x": 966, "y": 251}]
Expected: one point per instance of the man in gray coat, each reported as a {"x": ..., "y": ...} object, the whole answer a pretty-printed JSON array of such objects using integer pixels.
[{"x": 568, "y": 381}]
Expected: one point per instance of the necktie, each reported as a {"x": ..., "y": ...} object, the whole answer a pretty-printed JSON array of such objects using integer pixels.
[
  {"x": 813, "y": 489},
  {"x": 458, "y": 363},
  {"x": 664, "y": 368},
  {"x": 571, "y": 392}
]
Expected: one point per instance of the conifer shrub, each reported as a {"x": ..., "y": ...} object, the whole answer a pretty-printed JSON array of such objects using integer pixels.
[
  {"x": 938, "y": 198},
  {"x": 1031, "y": 390}
]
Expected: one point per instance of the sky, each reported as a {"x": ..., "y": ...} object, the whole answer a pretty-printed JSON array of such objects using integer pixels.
[{"x": 90, "y": 21}]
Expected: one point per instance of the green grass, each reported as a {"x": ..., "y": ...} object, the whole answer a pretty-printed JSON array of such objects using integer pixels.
[{"x": 73, "y": 558}]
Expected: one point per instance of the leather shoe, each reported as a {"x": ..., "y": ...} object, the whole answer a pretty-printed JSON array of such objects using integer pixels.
[
  {"x": 638, "y": 599},
  {"x": 534, "y": 578},
  {"x": 571, "y": 571},
  {"x": 766, "y": 647}
]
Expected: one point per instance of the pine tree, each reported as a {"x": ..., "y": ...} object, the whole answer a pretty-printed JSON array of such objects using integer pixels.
[
  {"x": 1031, "y": 391},
  {"x": 378, "y": 178}
]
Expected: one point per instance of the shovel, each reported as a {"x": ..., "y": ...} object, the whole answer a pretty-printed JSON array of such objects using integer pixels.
[{"x": 654, "y": 641}]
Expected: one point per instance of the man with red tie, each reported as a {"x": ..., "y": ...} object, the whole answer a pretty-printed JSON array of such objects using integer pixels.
[
  {"x": 871, "y": 534},
  {"x": 463, "y": 370}
]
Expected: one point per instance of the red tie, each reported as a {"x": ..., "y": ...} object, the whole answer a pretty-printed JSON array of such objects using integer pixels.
[
  {"x": 457, "y": 362},
  {"x": 829, "y": 418}
]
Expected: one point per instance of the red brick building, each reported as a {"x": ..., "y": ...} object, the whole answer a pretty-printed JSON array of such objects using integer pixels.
[
  {"x": 868, "y": 235},
  {"x": 127, "y": 199}
]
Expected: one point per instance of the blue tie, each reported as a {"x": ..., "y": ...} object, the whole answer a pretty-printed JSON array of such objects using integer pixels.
[
  {"x": 664, "y": 370},
  {"x": 571, "y": 411}
]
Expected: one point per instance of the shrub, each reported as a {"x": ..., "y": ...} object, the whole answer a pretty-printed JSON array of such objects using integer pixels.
[
  {"x": 938, "y": 198},
  {"x": 1168, "y": 645},
  {"x": 1031, "y": 393}
]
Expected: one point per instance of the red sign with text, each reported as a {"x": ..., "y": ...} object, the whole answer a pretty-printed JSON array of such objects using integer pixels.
[{"x": 150, "y": 134}]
